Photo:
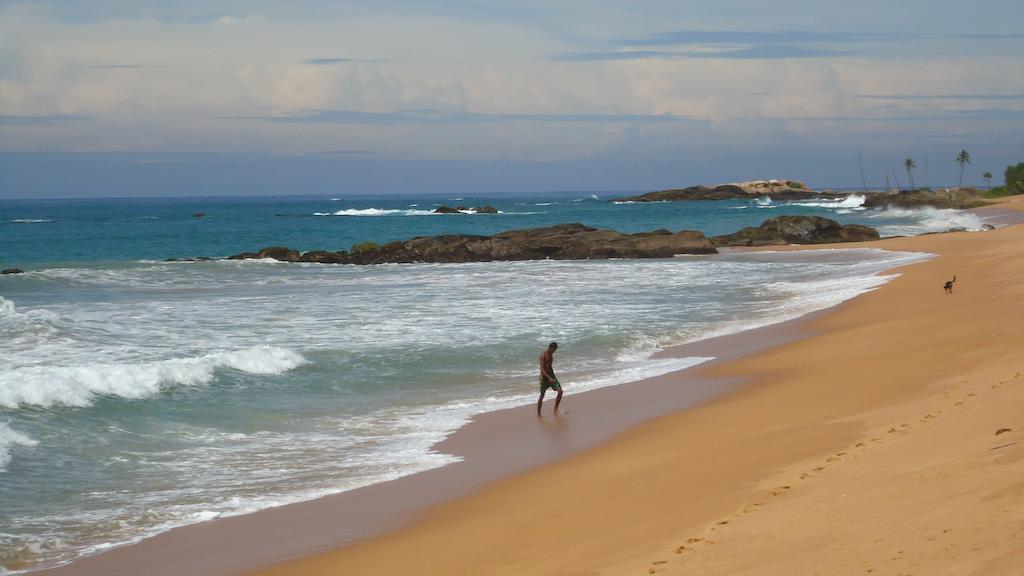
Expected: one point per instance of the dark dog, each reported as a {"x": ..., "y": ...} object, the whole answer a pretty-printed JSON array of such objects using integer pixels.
[{"x": 948, "y": 286}]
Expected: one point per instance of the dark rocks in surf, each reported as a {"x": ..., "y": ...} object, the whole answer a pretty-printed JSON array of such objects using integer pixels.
[
  {"x": 562, "y": 242},
  {"x": 12, "y": 271},
  {"x": 324, "y": 257},
  {"x": 444, "y": 209},
  {"x": 797, "y": 230},
  {"x": 275, "y": 252},
  {"x": 952, "y": 198}
]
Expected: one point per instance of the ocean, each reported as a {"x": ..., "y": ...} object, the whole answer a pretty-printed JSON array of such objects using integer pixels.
[{"x": 139, "y": 394}]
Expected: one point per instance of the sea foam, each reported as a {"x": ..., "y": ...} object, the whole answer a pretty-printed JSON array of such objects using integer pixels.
[
  {"x": 8, "y": 439},
  {"x": 79, "y": 385},
  {"x": 925, "y": 219},
  {"x": 851, "y": 201}
]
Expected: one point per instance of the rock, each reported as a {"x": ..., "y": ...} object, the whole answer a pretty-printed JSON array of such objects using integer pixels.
[
  {"x": 485, "y": 210},
  {"x": 562, "y": 242},
  {"x": 987, "y": 227},
  {"x": 199, "y": 214},
  {"x": 774, "y": 189},
  {"x": 953, "y": 198},
  {"x": 797, "y": 230},
  {"x": 244, "y": 256},
  {"x": 324, "y": 257},
  {"x": 443, "y": 209},
  {"x": 12, "y": 271},
  {"x": 276, "y": 252},
  {"x": 1002, "y": 430}
]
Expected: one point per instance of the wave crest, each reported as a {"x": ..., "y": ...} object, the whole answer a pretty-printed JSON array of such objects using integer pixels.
[
  {"x": 851, "y": 201},
  {"x": 9, "y": 438},
  {"x": 79, "y": 385}
]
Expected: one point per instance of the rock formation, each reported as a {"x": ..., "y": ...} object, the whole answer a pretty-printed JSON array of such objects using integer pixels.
[
  {"x": 797, "y": 230},
  {"x": 562, "y": 242},
  {"x": 955, "y": 198},
  {"x": 774, "y": 189},
  {"x": 443, "y": 209}
]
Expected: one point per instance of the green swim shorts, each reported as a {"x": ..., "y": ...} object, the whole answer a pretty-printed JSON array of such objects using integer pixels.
[{"x": 553, "y": 384}]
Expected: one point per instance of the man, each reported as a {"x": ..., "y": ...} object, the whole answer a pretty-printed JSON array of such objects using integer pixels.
[{"x": 547, "y": 377}]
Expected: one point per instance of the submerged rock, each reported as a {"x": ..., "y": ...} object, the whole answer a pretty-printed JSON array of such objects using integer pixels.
[
  {"x": 12, "y": 271},
  {"x": 797, "y": 230}
]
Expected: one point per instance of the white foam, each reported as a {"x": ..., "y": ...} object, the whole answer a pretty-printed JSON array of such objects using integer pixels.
[
  {"x": 30, "y": 220},
  {"x": 80, "y": 385},
  {"x": 376, "y": 212},
  {"x": 389, "y": 212},
  {"x": 9, "y": 438},
  {"x": 765, "y": 201},
  {"x": 926, "y": 219},
  {"x": 851, "y": 201}
]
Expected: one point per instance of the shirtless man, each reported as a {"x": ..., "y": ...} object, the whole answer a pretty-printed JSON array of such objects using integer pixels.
[{"x": 547, "y": 377}]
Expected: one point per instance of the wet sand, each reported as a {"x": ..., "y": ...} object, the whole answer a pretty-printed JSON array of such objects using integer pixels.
[{"x": 836, "y": 440}]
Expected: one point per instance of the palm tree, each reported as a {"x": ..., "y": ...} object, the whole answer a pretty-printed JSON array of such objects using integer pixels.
[
  {"x": 962, "y": 158},
  {"x": 909, "y": 165},
  {"x": 988, "y": 178}
]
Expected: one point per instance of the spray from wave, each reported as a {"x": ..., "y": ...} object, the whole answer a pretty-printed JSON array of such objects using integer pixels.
[
  {"x": 852, "y": 201},
  {"x": 376, "y": 212},
  {"x": 927, "y": 219},
  {"x": 47, "y": 386}
]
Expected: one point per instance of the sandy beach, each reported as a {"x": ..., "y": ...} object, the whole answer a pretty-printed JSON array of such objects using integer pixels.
[{"x": 889, "y": 442}]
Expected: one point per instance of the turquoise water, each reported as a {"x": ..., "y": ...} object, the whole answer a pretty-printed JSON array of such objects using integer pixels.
[
  {"x": 137, "y": 394},
  {"x": 130, "y": 229}
]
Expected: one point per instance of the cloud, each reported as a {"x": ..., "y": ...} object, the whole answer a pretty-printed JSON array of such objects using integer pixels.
[
  {"x": 327, "y": 61},
  {"x": 121, "y": 66},
  {"x": 937, "y": 96},
  {"x": 987, "y": 114},
  {"x": 443, "y": 117},
  {"x": 334, "y": 153},
  {"x": 40, "y": 119},
  {"x": 732, "y": 37},
  {"x": 332, "y": 61},
  {"x": 768, "y": 52},
  {"x": 756, "y": 45}
]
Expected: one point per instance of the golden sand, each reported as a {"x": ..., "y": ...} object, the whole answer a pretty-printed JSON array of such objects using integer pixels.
[{"x": 890, "y": 442}]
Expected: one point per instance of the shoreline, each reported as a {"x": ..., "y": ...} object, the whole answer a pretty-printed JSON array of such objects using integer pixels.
[
  {"x": 482, "y": 444},
  {"x": 301, "y": 530}
]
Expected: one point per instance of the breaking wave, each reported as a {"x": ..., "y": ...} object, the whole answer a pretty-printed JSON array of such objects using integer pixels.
[
  {"x": 925, "y": 219},
  {"x": 376, "y": 212},
  {"x": 79, "y": 385},
  {"x": 387, "y": 212},
  {"x": 851, "y": 201}
]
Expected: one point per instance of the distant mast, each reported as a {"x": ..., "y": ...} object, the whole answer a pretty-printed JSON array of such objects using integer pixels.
[{"x": 863, "y": 181}]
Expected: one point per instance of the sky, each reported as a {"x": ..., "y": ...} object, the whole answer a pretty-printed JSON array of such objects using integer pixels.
[{"x": 225, "y": 97}]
